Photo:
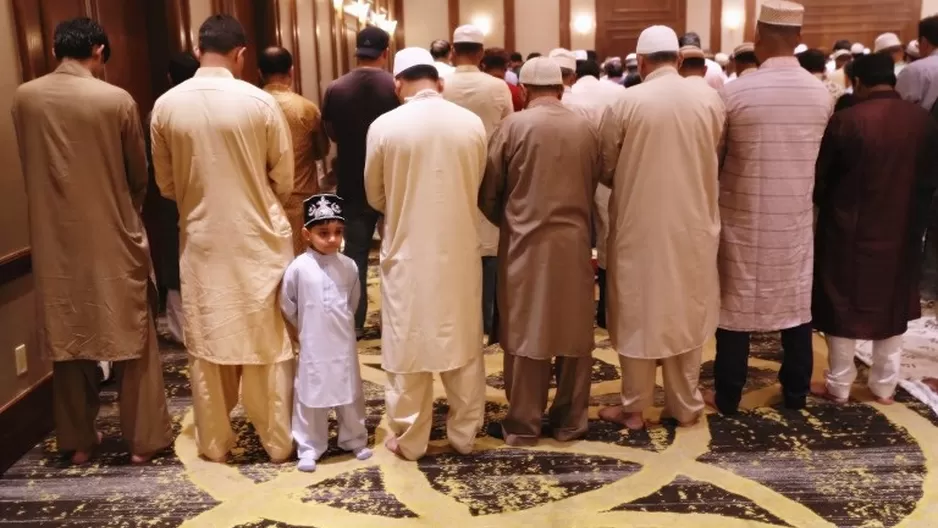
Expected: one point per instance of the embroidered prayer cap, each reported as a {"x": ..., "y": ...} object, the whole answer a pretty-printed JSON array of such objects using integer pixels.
[
  {"x": 541, "y": 71},
  {"x": 781, "y": 13},
  {"x": 913, "y": 50},
  {"x": 691, "y": 52},
  {"x": 801, "y": 48},
  {"x": 323, "y": 207},
  {"x": 745, "y": 47},
  {"x": 581, "y": 55},
  {"x": 657, "y": 39},
  {"x": 469, "y": 34},
  {"x": 409, "y": 57},
  {"x": 563, "y": 57},
  {"x": 857, "y": 49},
  {"x": 886, "y": 41},
  {"x": 722, "y": 59},
  {"x": 840, "y": 53}
]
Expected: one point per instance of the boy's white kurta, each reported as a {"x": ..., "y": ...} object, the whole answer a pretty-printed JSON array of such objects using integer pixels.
[
  {"x": 319, "y": 296},
  {"x": 423, "y": 169},
  {"x": 664, "y": 289}
]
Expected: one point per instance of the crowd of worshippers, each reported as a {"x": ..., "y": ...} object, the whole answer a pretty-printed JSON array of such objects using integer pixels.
[{"x": 721, "y": 204}]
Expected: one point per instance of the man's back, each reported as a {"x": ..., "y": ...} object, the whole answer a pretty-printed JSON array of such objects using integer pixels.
[
  {"x": 350, "y": 105},
  {"x": 918, "y": 82},
  {"x": 480, "y": 93},
  {"x": 309, "y": 141}
]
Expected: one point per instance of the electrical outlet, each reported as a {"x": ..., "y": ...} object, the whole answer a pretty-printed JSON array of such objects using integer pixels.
[{"x": 21, "y": 364}]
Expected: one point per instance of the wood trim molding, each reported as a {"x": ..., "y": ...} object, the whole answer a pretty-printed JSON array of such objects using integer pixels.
[
  {"x": 15, "y": 265},
  {"x": 565, "y": 15},
  {"x": 509, "y": 17},
  {"x": 30, "y": 38},
  {"x": 453, "y": 8},
  {"x": 25, "y": 421},
  {"x": 295, "y": 41},
  {"x": 333, "y": 30},
  {"x": 716, "y": 26},
  {"x": 179, "y": 22},
  {"x": 399, "y": 16},
  {"x": 749, "y": 31}
]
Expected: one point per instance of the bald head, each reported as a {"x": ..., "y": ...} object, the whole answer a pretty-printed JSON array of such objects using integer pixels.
[{"x": 275, "y": 62}]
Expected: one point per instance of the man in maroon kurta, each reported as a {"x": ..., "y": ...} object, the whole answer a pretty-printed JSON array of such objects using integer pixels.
[{"x": 876, "y": 175}]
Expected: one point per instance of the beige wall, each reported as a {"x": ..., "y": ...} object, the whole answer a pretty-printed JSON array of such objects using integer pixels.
[
  {"x": 17, "y": 319},
  {"x": 929, "y": 7},
  {"x": 698, "y": 20},
  {"x": 492, "y": 11},
  {"x": 541, "y": 37},
  {"x": 425, "y": 21},
  {"x": 199, "y": 10}
]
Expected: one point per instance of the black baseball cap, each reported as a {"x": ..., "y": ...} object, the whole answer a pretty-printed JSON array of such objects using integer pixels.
[{"x": 371, "y": 42}]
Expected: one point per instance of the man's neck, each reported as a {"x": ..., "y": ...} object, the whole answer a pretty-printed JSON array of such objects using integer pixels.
[
  {"x": 463, "y": 60},
  {"x": 215, "y": 60},
  {"x": 880, "y": 88},
  {"x": 84, "y": 63},
  {"x": 282, "y": 80},
  {"x": 365, "y": 63},
  {"x": 412, "y": 88}
]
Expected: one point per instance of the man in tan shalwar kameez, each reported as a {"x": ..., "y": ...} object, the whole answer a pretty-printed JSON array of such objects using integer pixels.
[
  {"x": 222, "y": 150},
  {"x": 310, "y": 143},
  {"x": 664, "y": 292},
  {"x": 542, "y": 171},
  {"x": 86, "y": 178},
  {"x": 425, "y": 180}
]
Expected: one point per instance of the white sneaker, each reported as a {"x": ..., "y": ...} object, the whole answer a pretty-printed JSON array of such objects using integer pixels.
[
  {"x": 306, "y": 465},
  {"x": 363, "y": 453}
]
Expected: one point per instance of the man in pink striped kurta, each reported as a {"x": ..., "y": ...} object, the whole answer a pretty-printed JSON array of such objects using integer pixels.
[{"x": 776, "y": 118}]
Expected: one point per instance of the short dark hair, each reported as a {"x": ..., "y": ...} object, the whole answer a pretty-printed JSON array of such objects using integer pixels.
[
  {"x": 182, "y": 66},
  {"x": 842, "y": 44},
  {"x": 746, "y": 57},
  {"x": 694, "y": 62},
  {"x": 533, "y": 55},
  {"x": 439, "y": 49},
  {"x": 874, "y": 70},
  {"x": 77, "y": 38},
  {"x": 467, "y": 48},
  {"x": 813, "y": 60},
  {"x": 592, "y": 55},
  {"x": 689, "y": 39},
  {"x": 928, "y": 29},
  {"x": 221, "y": 34},
  {"x": 495, "y": 59},
  {"x": 614, "y": 68},
  {"x": 848, "y": 71},
  {"x": 587, "y": 68},
  {"x": 661, "y": 57},
  {"x": 632, "y": 79},
  {"x": 275, "y": 61},
  {"x": 419, "y": 72},
  {"x": 516, "y": 57}
]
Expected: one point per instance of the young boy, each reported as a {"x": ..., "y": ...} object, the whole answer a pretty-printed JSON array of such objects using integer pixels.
[{"x": 319, "y": 295}]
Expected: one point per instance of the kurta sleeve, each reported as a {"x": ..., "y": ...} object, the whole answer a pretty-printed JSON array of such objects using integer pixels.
[
  {"x": 909, "y": 85},
  {"x": 355, "y": 296},
  {"x": 508, "y": 107},
  {"x": 327, "y": 117},
  {"x": 279, "y": 154},
  {"x": 826, "y": 161},
  {"x": 374, "y": 171},
  {"x": 320, "y": 139},
  {"x": 491, "y": 192},
  {"x": 161, "y": 157},
  {"x": 289, "y": 295},
  {"x": 611, "y": 138},
  {"x": 135, "y": 154}
]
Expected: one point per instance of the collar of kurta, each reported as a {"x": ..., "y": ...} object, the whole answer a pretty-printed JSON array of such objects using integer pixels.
[
  {"x": 467, "y": 68},
  {"x": 885, "y": 94},
  {"x": 544, "y": 101},
  {"x": 664, "y": 71},
  {"x": 73, "y": 68},
  {"x": 277, "y": 88},
  {"x": 214, "y": 72},
  {"x": 781, "y": 62},
  {"x": 747, "y": 71},
  {"x": 587, "y": 80},
  {"x": 426, "y": 93}
]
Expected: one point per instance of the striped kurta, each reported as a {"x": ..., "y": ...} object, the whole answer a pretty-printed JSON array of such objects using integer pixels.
[{"x": 776, "y": 118}]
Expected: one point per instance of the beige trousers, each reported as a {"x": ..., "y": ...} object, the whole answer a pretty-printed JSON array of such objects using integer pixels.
[
  {"x": 144, "y": 418},
  {"x": 884, "y": 373},
  {"x": 681, "y": 373},
  {"x": 267, "y": 396},
  {"x": 409, "y": 399},
  {"x": 527, "y": 382}
]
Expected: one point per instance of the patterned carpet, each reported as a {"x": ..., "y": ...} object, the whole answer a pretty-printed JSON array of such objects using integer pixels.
[{"x": 858, "y": 465}]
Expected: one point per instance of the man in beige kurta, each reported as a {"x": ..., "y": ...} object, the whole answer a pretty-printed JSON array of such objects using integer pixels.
[
  {"x": 86, "y": 178},
  {"x": 425, "y": 180},
  {"x": 222, "y": 151},
  {"x": 310, "y": 143},
  {"x": 543, "y": 167},
  {"x": 490, "y": 99},
  {"x": 664, "y": 294}
]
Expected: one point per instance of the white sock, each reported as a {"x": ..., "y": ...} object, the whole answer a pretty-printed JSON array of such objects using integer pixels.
[{"x": 363, "y": 453}]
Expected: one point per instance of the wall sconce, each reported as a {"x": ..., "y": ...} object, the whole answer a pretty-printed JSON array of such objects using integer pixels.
[
  {"x": 583, "y": 24},
  {"x": 337, "y": 4},
  {"x": 357, "y": 9},
  {"x": 732, "y": 19},
  {"x": 483, "y": 22}
]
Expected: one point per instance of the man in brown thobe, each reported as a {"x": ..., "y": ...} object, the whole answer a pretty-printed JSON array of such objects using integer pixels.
[
  {"x": 86, "y": 177},
  {"x": 542, "y": 171},
  {"x": 876, "y": 175},
  {"x": 310, "y": 143}
]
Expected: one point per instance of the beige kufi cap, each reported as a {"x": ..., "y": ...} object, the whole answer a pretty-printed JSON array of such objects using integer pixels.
[
  {"x": 469, "y": 34},
  {"x": 631, "y": 59},
  {"x": 691, "y": 52},
  {"x": 840, "y": 53},
  {"x": 913, "y": 49},
  {"x": 886, "y": 41},
  {"x": 781, "y": 13},
  {"x": 745, "y": 47},
  {"x": 564, "y": 58},
  {"x": 410, "y": 57},
  {"x": 541, "y": 71},
  {"x": 657, "y": 39},
  {"x": 722, "y": 59},
  {"x": 857, "y": 49}
]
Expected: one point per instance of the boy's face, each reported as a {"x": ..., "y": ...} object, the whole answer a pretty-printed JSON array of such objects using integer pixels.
[{"x": 325, "y": 237}]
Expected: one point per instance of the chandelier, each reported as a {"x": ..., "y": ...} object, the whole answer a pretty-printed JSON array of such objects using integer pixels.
[{"x": 365, "y": 14}]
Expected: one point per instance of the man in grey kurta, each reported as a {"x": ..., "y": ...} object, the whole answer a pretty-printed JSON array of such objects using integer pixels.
[
  {"x": 86, "y": 177},
  {"x": 542, "y": 171}
]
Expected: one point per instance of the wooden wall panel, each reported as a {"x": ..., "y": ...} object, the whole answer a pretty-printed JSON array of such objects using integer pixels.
[
  {"x": 749, "y": 29},
  {"x": 829, "y": 20},
  {"x": 169, "y": 32},
  {"x": 619, "y": 22},
  {"x": 716, "y": 25},
  {"x": 565, "y": 28},
  {"x": 129, "y": 66},
  {"x": 453, "y": 6}
]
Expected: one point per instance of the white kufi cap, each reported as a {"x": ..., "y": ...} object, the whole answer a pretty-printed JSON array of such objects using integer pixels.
[
  {"x": 469, "y": 34},
  {"x": 801, "y": 48},
  {"x": 410, "y": 57},
  {"x": 781, "y": 13},
  {"x": 564, "y": 58},
  {"x": 886, "y": 41},
  {"x": 541, "y": 71},
  {"x": 857, "y": 49},
  {"x": 657, "y": 39},
  {"x": 913, "y": 49},
  {"x": 722, "y": 59},
  {"x": 581, "y": 55}
]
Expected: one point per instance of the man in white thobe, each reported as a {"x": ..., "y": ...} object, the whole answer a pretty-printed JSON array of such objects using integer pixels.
[
  {"x": 222, "y": 151},
  {"x": 431, "y": 276},
  {"x": 664, "y": 291}
]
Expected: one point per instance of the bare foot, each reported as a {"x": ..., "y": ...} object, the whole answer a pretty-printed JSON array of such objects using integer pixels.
[
  {"x": 141, "y": 459},
  {"x": 819, "y": 389},
  {"x": 80, "y": 457},
  {"x": 616, "y": 414},
  {"x": 392, "y": 446},
  {"x": 690, "y": 423},
  {"x": 885, "y": 401},
  {"x": 710, "y": 398}
]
